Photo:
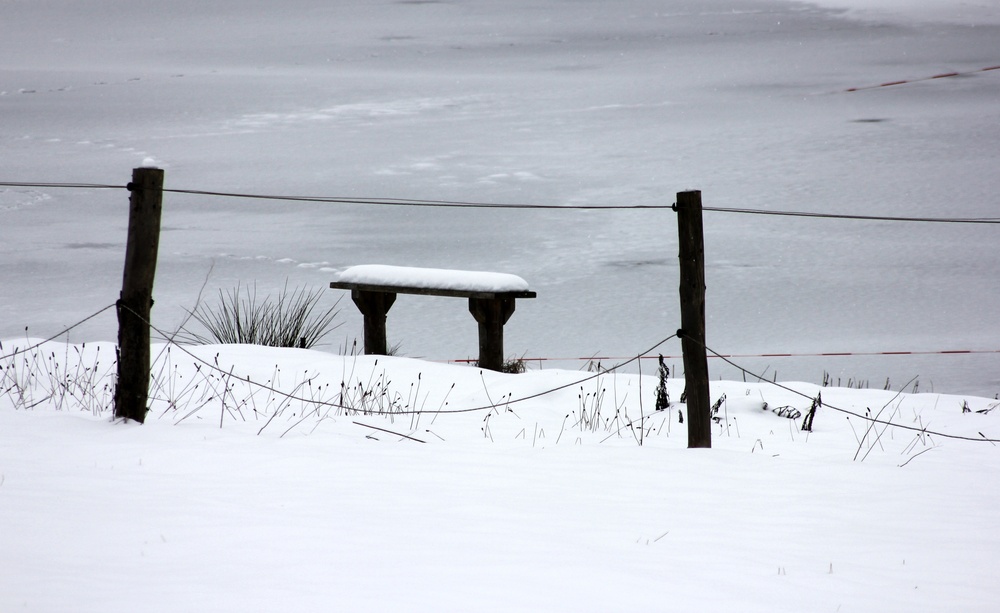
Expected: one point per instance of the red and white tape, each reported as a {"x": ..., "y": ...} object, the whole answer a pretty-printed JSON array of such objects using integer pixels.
[
  {"x": 937, "y": 76},
  {"x": 606, "y": 358}
]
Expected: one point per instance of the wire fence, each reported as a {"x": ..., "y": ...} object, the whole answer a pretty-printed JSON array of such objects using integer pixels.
[
  {"x": 57, "y": 334},
  {"x": 409, "y": 412},
  {"x": 170, "y": 340},
  {"x": 418, "y": 203},
  {"x": 647, "y": 354},
  {"x": 867, "y": 418},
  {"x": 231, "y": 373}
]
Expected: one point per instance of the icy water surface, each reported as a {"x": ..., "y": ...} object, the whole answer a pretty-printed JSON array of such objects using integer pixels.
[{"x": 565, "y": 103}]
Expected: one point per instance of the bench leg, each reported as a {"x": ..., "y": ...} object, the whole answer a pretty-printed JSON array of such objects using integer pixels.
[
  {"x": 374, "y": 306},
  {"x": 492, "y": 314}
]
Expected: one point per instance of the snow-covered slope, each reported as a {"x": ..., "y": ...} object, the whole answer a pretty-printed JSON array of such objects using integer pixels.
[{"x": 288, "y": 479}]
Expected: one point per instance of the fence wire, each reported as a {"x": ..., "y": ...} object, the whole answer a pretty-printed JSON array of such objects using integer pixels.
[
  {"x": 867, "y": 418},
  {"x": 513, "y": 206},
  {"x": 57, "y": 335},
  {"x": 458, "y": 204},
  {"x": 228, "y": 373},
  {"x": 601, "y": 373}
]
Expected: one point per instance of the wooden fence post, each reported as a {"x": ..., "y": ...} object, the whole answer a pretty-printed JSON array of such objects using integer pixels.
[
  {"x": 692, "y": 333},
  {"x": 136, "y": 301}
]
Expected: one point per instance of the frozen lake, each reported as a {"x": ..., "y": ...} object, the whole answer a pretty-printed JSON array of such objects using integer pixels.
[{"x": 564, "y": 103}]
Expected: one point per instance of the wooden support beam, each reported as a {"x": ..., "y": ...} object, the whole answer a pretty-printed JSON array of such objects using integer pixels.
[
  {"x": 375, "y": 307},
  {"x": 492, "y": 314}
]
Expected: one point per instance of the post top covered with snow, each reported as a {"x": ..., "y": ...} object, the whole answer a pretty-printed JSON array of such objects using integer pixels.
[{"x": 407, "y": 279}]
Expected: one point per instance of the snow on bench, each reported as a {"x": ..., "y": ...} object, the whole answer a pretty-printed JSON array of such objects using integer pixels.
[
  {"x": 433, "y": 281},
  {"x": 491, "y": 300}
]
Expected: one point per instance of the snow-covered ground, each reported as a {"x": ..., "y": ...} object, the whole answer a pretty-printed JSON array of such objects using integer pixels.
[
  {"x": 315, "y": 486},
  {"x": 236, "y": 497}
]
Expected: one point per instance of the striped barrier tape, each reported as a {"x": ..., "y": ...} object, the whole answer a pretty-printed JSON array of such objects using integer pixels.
[
  {"x": 937, "y": 76},
  {"x": 606, "y": 358}
]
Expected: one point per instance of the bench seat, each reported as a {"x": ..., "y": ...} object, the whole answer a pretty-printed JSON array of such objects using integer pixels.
[{"x": 491, "y": 300}]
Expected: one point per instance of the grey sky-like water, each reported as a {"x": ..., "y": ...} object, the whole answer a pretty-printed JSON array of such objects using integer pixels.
[{"x": 551, "y": 103}]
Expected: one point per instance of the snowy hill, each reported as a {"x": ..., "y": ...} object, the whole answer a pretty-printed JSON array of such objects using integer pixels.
[{"x": 285, "y": 478}]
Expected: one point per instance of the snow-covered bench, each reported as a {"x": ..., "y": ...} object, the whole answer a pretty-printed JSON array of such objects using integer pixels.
[{"x": 491, "y": 300}]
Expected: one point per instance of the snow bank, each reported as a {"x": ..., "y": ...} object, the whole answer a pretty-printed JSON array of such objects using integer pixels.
[
  {"x": 434, "y": 278},
  {"x": 272, "y": 479}
]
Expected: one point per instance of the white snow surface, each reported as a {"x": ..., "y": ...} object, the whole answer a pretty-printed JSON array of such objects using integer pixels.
[
  {"x": 433, "y": 278},
  {"x": 295, "y": 480}
]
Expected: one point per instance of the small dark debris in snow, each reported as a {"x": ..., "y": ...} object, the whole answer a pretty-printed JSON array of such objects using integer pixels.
[
  {"x": 870, "y": 120},
  {"x": 638, "y": 263},
  {"x": 787, "y": 412},
  {"x": 92, "y": 246}
]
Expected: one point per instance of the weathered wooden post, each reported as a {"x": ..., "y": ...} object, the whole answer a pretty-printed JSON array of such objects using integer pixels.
[
  {"x": 375, "y": 307},
  {"x": 491, "y": 314},
  {"x": 136, "y": 301},
  {"x": 692, "y": 333}
]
